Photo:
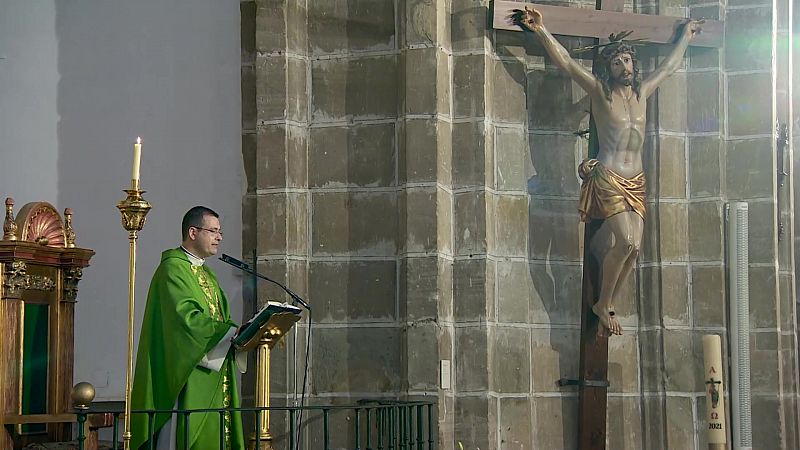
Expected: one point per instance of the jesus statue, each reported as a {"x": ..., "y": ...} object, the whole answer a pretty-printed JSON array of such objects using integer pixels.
[{"x": 613, "y": 188}]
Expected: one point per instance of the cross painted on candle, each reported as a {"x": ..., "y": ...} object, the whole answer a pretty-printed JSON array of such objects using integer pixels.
[{"x": 137, "y": 157}]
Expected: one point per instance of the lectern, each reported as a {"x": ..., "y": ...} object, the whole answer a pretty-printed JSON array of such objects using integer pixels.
[{"x": 40, "y": 268}]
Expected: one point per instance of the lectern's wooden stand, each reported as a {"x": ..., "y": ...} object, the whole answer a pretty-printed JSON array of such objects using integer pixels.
[{"x": 40, "y": 268}]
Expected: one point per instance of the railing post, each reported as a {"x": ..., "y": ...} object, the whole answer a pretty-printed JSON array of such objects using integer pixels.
[
  {"x": 291, "y": 430},
  {"x": 81, "y": 429},
  {"x": 369, "y": 430},
  {"x": 430, "y": 426},
  {"x": 358, "y": 429},
  {"x": 326, "y": 429},
  {"x": 420, "y": 436}
]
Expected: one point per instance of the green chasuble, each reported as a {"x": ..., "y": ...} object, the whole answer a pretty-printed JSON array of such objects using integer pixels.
[{"x": 186, "y": 316}]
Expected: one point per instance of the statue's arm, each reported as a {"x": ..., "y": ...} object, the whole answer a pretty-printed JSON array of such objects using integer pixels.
[
  {"x": 531, "y": 22},
  {"x": 673, "y": 60}
]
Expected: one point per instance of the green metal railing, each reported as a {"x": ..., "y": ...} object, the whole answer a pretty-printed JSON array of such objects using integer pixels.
[{"x": 374, "y": 425}]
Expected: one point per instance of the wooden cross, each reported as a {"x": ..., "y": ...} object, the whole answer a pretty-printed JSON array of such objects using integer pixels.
[{"x": 600, "y": 23}]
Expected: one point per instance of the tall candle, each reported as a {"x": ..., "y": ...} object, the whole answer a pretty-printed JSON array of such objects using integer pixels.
[{"x": 137, "y": 157}]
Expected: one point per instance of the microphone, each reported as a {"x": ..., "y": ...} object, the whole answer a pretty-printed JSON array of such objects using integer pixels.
[{"x": 243, "y": 266}]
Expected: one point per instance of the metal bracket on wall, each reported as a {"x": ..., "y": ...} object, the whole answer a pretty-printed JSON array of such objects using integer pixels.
[{"x": 589, "y": 383}]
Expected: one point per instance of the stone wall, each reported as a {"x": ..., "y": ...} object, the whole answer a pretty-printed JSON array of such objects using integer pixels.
[{"x": 412, "y": 174}]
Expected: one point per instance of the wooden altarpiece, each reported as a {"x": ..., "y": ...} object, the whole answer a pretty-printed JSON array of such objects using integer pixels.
[{"x": 40, "y": 268}]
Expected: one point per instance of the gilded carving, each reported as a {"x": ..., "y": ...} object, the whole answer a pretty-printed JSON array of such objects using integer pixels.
[
  {"x": 16, "y": 280},
  {"x": 69, "y": 233},
  {"x": 41, "y": 224},
  {"x": 72, "y": 275},
  {"x": 9, "y": 226}
]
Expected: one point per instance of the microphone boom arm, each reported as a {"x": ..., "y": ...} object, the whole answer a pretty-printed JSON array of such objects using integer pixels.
[{"x": 244, "y": 267}]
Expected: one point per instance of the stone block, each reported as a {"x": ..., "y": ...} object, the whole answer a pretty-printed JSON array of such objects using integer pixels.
[
  {"x": 555, "y": 165},
  {"x": 444, "y": 152},
  {"x": 444, "y": 212},
  {"x": 706, "y": 233},
  {"x": 708, "y": 296},
  {"x": 469, "y": 225},
  {"x": 653, "y": 429},
  {"x": 443, "y": 76},
  {"x": 270, "y": 26},
  {"x": 564, "y": 230},
  {"x": 471, "y": 364},
  {"x": 249, "y": 110},
  {"x": 675, "y": 295},
  {"x": 353, "y": 291},
  {"x": 418, "y": 24},
  {"x": 422, "y": 357},
  {"x": 555, "y": 293},
  {"x": 247, "y": 36},
  {"x": 556, "y": 422},
  {"x": 763, "y": 297},
  {"x": 749, "y": 171},
  {"x": 271, "y": 87},
  {"x": 705, "y": 173},
  {"x": 419, "y": 282},
  {"x": 271, "y": 224},
  {"x": 346, "y": 87},
  {"x": 249, "y": 222},
  {"x": 418, "y": 227},
  {"x": 785, "y": 284},
  {"x": 553, "y": 356},
  {"x": 297, "y": 89},
  {"x": 418, "y": 161},
  {"x": 766, "y": 417},
  {"x": 665, "y": 232},
  {"x": 371, "y": 364},
  {"x": 651, "y": 360},
  {"x": 516, "y": 424},
  {"x": 672, "y": 103},
  {"x": 297, "y": 139},
  {"x": 761, "y": 232},
  {"x": 249, "y": 158},
  {"x": 683, "y": 361},
  {"x": 419, "y": 80},
  {"x": 513, "y": 164},
  {"x": 270, "y": 156},
  {"x": 469, "y": 154},
  {"x": 554, "y": 101},
  {"x": 747, "y": 43},
  {"x": 468, "y": 85},
  {"x": 297, "y": 30},
  {"x": 749, "y": 104},
  {"x": 445, "y": 289},
  {"x": 624, "y": 416},
  {"x": 355, "y": 156},
  {"x": 370, "y": 25},
  {"x": 510, "y": 358},
  {"x": 765, "y": 366},
  {"x": 680, "y": 429},
  {"x": 357, "y": 223},
  {"x": 703, "y": 102},
  {"x": 297, "y": 223},
  {"x": 327, "y": 27},
  {"x": 671, "y": 178},
  {"x": 514, "y": 289},
  {"x": 511, "y": 225},
  {"x": 507, "y": 92},
  {"x": 467, "y": 25},
  {"x": 651, "y": 297},
  {"x": 275, "y": 269},
  {"x": 472, "y": 286},
  {"x": 623, "y": 363}
]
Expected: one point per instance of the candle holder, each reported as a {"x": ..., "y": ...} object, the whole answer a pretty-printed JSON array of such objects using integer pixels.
[{"x": 134, "y": 210}]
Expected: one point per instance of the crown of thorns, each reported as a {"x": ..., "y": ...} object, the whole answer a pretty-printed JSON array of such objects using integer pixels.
[{"x": 614, "y": 41}]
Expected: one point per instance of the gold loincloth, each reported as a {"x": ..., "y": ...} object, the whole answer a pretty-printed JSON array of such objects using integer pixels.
[{"x": 605, "y": 193}]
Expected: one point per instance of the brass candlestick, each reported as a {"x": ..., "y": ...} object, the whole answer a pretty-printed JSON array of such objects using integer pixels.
[{"x": 134, "y": 209}]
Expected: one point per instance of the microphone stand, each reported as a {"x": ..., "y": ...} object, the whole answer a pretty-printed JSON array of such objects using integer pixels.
[
  {"x": 262, "y": 362},
  {"x": 243, "y": 266}
]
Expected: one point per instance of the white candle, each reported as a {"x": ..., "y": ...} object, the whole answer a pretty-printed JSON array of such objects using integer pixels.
[{"x": 137, "y": 157}]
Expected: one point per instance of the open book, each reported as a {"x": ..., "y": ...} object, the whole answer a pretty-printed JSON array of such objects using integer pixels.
[{"x": 253, "y": 327}]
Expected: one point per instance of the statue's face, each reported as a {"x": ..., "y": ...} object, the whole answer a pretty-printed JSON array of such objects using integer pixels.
[{"x": 621, "y": 66}]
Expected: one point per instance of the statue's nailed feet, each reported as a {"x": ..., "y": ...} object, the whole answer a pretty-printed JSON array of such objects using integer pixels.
[{"x": 609, "y": 321}]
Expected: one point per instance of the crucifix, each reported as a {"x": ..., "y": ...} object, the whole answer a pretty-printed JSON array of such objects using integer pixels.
[{"x": 612, "y": 194}]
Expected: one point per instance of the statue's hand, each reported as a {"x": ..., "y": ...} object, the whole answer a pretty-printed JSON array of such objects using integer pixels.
[{"x": 529, "y": 18}]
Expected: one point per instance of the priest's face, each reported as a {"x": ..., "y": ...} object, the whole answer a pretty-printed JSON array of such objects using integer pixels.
[{"x": 205, "y": 240}]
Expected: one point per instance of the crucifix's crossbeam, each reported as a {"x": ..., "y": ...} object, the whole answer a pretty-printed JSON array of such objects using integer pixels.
[{"x": 595, "y": 23}]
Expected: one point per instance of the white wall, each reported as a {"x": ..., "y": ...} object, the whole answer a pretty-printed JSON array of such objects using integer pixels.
[
  {"x": 170, "y": 72},
  {"x": 28, "y": 115}
]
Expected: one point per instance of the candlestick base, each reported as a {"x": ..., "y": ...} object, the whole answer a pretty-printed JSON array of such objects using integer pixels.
[{"x": 134, "y": 209}]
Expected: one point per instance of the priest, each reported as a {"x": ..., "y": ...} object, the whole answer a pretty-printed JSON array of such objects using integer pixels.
[{"x": 185, "y": 359}]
